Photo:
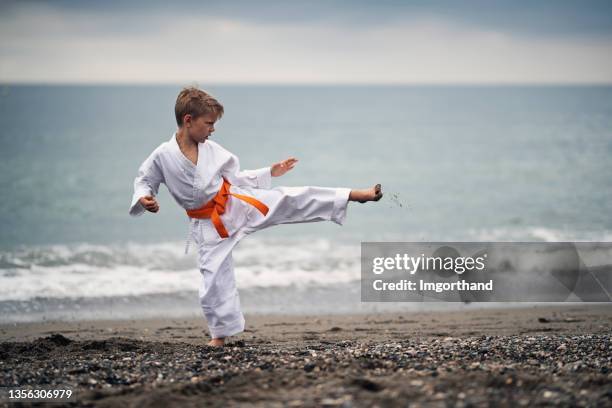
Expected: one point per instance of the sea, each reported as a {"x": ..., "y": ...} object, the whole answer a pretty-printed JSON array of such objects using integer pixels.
[{"x": 457, "y": 163}]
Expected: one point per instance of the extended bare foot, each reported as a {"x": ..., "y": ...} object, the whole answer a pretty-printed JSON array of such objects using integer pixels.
[
  {"x": 217, "y": 342},
  {"x": 368, "y": 194}
]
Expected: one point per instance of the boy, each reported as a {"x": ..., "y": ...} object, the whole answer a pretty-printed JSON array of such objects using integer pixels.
[{"x": 224, "y": 203}]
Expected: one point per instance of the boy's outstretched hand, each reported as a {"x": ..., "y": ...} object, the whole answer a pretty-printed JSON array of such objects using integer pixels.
[
  {"x": 280, "y": 168},
  {"x": 149, "y": 203}
]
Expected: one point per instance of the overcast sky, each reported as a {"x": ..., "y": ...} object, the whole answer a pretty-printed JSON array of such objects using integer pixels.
[{"x": 330, "y": 41}]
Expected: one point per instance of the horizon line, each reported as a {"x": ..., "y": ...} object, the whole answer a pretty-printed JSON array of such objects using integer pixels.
[{"x": 303, "y": 84}]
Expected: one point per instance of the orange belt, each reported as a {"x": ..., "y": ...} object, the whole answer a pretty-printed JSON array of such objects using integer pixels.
[{"x": 215, "y": 207}]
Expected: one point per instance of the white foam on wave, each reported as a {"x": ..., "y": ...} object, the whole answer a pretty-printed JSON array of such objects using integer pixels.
[
  {"x": 76, "y": 271},
  {"x": 83, "y": 281},
  {"x": 133, "y": 269},
  {"x": 536, "y": 233},
  {"x": 510, "y": 233},
  {"x": 314, "y": 262}
]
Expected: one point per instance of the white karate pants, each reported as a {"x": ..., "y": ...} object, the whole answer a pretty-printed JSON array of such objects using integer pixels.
[{"x": 218, "y": 293}]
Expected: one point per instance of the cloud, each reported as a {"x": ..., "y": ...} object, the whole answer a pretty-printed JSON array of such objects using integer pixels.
[
  {"x": 55, "y": 43},
  {"x": 516, "y": 17}
]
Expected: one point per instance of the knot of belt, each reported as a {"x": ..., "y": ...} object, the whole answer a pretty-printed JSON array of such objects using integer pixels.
[{"x": 216, "y": 207}]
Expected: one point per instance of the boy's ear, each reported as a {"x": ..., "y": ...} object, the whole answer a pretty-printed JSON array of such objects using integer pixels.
[{"x": 187, "y": 119}]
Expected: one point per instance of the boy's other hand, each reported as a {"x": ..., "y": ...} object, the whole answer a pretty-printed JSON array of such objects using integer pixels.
[
  {"x": 280, "y": 168},
  {"x": 149, "y": 203}
]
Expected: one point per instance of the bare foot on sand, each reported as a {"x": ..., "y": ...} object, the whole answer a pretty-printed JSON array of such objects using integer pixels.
[
  {"x": 368, "y": 194},
  {"x": 217, "y": 342}
]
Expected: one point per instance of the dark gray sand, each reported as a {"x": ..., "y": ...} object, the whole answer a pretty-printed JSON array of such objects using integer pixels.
[{"x": 537, "y": 356}]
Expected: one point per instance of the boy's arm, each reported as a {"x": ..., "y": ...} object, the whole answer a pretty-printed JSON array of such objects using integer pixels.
[
  {"x": 146, "y": 183},
  {"x": 260, "y": 178}
]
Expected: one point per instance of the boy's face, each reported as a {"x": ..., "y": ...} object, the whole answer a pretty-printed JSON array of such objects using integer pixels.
[{"x": 200, "y": 128}]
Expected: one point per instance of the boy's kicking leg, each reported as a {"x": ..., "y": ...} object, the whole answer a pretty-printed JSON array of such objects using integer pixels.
[{"x": 287, "y": 205}]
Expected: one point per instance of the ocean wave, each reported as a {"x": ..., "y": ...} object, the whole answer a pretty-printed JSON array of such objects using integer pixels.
[
  {"x": 84, "y": 270},
  {"x": 135, "y": 269},
  {"x": 536, "y": 233}
]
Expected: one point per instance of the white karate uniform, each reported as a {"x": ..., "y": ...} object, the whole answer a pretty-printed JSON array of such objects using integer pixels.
[{"x": 194, "y": 185}]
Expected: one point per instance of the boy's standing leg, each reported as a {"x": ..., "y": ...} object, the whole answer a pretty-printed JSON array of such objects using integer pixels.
[{"x": 218, "y": 294}]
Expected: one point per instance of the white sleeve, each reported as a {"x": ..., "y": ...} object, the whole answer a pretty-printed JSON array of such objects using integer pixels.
[
  {"x": 146, "y": 183},
  {"x": 260, "y": 178}
]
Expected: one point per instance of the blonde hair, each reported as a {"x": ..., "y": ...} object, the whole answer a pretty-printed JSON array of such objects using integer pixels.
[{"x": 195, "y": 102}]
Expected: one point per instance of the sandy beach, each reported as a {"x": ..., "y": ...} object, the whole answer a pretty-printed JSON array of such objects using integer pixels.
[{"x": 532, "y": 356}]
